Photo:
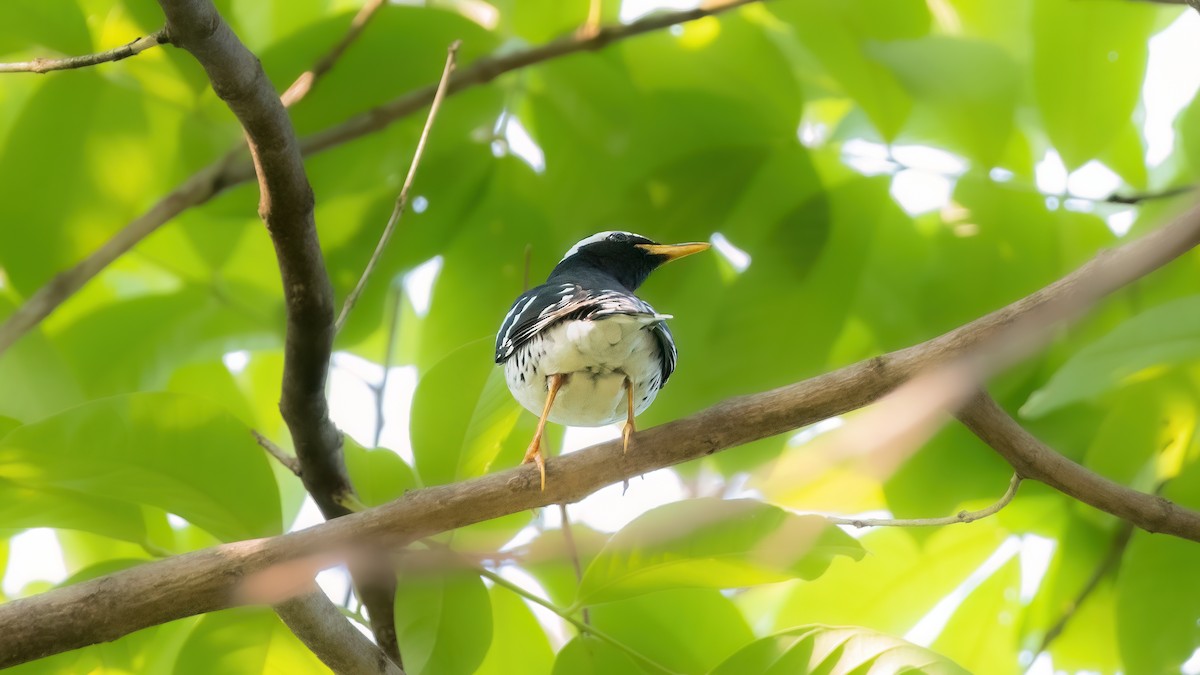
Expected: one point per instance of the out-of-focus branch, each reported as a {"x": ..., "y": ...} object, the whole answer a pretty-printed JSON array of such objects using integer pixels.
[{"x": 70, "y": 62}]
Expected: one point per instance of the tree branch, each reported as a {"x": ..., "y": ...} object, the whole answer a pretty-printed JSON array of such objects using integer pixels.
[
  {"x": 231, "y": 170},
  {"x": 210, "y": 579},
  {"x": 125, "y": 51},
  {"x": 286, "y": 207},
  {"x": 1034, "y": 459}
]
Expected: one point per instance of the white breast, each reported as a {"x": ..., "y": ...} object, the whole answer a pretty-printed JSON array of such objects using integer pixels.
[{"x": 596, "y": 356}]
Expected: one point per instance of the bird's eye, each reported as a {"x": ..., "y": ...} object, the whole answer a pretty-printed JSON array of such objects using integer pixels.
[{"x": 618, "y": 237}]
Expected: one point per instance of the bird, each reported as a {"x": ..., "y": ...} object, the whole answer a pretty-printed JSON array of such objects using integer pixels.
[{"x": 581, "y": 349}]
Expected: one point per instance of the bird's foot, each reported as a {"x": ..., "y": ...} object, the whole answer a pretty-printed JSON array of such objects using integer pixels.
[
  {"x": 534, "y": 454},
  {"x": 626, "y": 434}
]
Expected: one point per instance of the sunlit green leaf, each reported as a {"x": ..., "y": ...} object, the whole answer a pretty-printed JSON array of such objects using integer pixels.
[
  {"x": 688, "y": 630},
  {"x": 1088, "y": 52},
  {"x": 378, "y": 475},
  {"x": 443, "y": 621},
  {"x": 972, "y": 112},
  {"x": 245, "y": 641},
  {"x": 891, "y": 589},
  {"x": 712, "y": 543},
  {"x": 1156, "y": 618},
  {"x": 519, "y": 643},
  {"x": 835, "y": 651},
  {"x": 982, "y": 633},
  {"x": 586, "y": 655},
  {"x": 1138, "y": 349},
  {"x": 181, "y": 454}
]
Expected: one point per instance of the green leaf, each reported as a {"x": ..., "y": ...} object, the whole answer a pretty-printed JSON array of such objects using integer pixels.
[
  {"x": 23, "y": 506},
  {"x": 444, "y": 405},
  {"x": 244, "y": 641},
  {"x": 519, "y": 643},
  {"x": 970, "y": 87},
  {"x": 712, "y": 543},
  {"x": 1137, "y": 349},
  {"x": 587, "y": 655},
  {"x": 47, "y": 385},
  {"x": 982, "y": 633},
  {"x": 443, "y": 621},
  {"x": 900, "y": 582},
  {"x": 59, "y": 25},
  {"x": 378, "y": 475},
  {"x": 687, "y": 630},
  {"x": 1088, "y": 51},
  {"x": 1089, "y": 638},
  {"x": 830, "y": 650},
  {"x": 172, "y": 330},
  {"x": 181, "y": 454},
  {"x": 1156, "y": 604},
  {"x": 837, "y": 32}
]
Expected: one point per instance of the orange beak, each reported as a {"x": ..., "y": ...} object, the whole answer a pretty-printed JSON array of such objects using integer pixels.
[{"x": 674, "y": 251}]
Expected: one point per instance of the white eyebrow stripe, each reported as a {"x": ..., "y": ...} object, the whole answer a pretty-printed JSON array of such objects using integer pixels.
[{"x": 599, "y": 236}]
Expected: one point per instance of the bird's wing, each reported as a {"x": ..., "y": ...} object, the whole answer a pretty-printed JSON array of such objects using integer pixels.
[{"x": 539, "y": 308}]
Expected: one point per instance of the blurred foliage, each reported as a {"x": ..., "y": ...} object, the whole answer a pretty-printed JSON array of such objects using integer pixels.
[{"x": 794, "y": 129}]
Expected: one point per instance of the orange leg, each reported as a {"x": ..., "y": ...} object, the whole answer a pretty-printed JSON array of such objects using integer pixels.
[
  {"x": 628, "y": 429},
  {"x": 534, "y": 453}
]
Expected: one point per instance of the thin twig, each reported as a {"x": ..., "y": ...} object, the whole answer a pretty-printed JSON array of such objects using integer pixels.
[
  {"x": 402, "y": 199},
  {"x": 125, "y": 51},
  {"x": 308, "y": 79},
  {"x": 288, "y": 460},
  {"x": 960, "y": 517},
  {"x": 573, "y": 553},
  {"x": 568, "y": 617}
]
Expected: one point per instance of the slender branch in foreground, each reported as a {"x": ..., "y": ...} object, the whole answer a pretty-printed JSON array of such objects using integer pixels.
[
  {"x": 288, "y": 461},
  {"x": 319, "y": 623},
  {"x": 71, "y": 62},
  {"x": 960, "y": 517},
  {"x": 402, "y": 199},
  {"x": 232, "y": 170},
  {"x": 308, "y": 79},
  {"x": 202, "y": 581}
]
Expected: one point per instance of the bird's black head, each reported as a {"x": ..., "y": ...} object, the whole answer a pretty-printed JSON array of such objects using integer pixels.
[{"x": 626, "y": 257}]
